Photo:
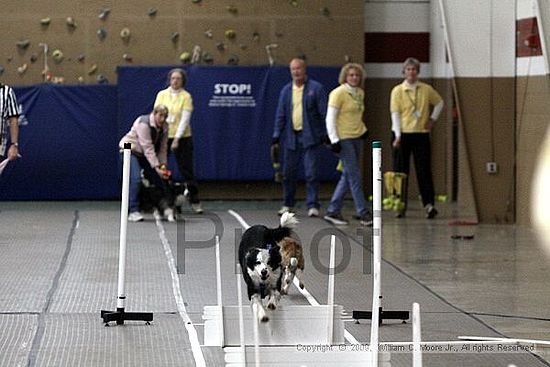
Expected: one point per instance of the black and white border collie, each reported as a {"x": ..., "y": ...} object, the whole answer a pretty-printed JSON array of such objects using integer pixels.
[{"x": 260, "y": 259}]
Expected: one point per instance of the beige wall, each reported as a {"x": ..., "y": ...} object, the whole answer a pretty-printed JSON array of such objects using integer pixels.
[
  {"x": 300, "y": 29},
  {"x": 488, "y": 119}
]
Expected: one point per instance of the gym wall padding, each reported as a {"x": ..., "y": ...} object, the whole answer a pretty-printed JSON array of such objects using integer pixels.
[
  {"x": 231, "y": 143},
  {"x": 68, "y": 145}
]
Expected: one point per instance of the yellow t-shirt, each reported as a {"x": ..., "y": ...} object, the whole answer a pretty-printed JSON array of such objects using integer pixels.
[
  {"x": 413, "y": 105},
  {"x": 176, "y": 103},
  {"x": 297, "y": 94},
  {"x": 349, "y": 121}
]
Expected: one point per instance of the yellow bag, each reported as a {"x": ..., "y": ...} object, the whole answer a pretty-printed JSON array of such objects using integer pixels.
[{"x": 395, "y": 198}]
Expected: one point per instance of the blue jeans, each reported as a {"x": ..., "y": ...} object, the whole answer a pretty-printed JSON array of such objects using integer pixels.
[
  {"x": 136, "y": 165},
  {"x": 292, "y": 158},
  {"x": 350, "y": 178}
]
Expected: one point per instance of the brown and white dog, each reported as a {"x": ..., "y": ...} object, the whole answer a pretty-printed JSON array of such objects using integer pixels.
[{"x": 292, "y": 262}]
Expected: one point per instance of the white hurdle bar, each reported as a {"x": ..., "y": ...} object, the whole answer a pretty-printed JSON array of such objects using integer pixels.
[{"x": 376, "y": 246}]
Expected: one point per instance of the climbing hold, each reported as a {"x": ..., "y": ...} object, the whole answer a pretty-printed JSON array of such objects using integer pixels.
[
  {"x": 101, "y": 79},
  {"x": 80, "y": 79},
  {"x": 21, "y": 70},
  {"x": 293, "y": 2},
  {"x": 23, "y": 45},
  {"x": 127, "y": 58},
  {"x": 104, "y": 13},
  {"x": 233, "y": 60},
  {"x": 81, "y": 58},
  {"x": 34, "y": 57},
  {"x": 57, "y": 55},
  {"x": 92, "y": 69},
  {"x": 70, "y": 22},
  {"x": 230, "y": 34},
  {"x": 325, "y": 11},
  {"x": 175, "y": 37},
  {"x": 207, "y": 58},
  {"x": 45, "y": 21},
  {"x": 152, "y": 12},
  {"x": 232, "y": 9},
  {"x": 101, "y": 34},
  {"x": 208, "y": 33},
  {"x": 255, "y": 36},
  {"x": 125, "y": 34},
  {"x": 1, "y": 70},
  {"x": 185, "y": 57},
  {"x": 196, "y": 1},
  {"x": 242, "y": 46},
  {"x": 220, "y": 46}
]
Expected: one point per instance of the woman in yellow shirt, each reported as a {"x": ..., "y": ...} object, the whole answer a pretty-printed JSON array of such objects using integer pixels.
[
  {"x": 180, "y": 107},
  {"x": 347, "y": 131}
]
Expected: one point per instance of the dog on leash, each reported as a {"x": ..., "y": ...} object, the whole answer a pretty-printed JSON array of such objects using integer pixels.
[
  {"x": 292, "y": 262},
  {"x": 260, "y": 259}
]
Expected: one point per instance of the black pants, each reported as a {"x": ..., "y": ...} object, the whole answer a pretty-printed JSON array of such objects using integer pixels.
[
  {"x": 419, "y": 145},
  {"x": 184, "y": 159}
]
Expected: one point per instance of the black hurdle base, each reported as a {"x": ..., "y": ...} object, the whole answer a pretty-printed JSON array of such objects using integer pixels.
[
  {"x": 384, "y": 315},
  {"x": 120, "y": 316}
]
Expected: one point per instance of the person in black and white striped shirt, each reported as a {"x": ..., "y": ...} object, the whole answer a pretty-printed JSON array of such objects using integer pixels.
[{"x": 9, "y": 113}]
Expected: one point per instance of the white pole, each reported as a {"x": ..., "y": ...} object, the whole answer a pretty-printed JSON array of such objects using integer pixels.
[
  {"x": 330, "y": 300},
  {"x": 417, "y": 336},
  {"x": 376, "y": 246},
  {"x": 241, "y": 318},
  {"x": 256, "y": 334},
  {"x": 218, "y": 272},
  {"x": 121, "y": 300},
  {"x": 219, "y": 290}
]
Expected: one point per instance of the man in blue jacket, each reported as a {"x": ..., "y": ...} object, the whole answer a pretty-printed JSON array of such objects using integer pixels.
[{"x": 300, "y": 127}]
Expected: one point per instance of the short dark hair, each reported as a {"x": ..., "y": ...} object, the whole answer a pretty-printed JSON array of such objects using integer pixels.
[
  {"x": 413, "y": 62},
  {"x": 182, "y": 73}
]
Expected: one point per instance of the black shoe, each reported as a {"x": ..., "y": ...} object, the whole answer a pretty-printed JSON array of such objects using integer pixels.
[
  {"x": 336, "y": 219},
  {"x": 366, "y": 220},
  {"x": 431, "y": 212}
]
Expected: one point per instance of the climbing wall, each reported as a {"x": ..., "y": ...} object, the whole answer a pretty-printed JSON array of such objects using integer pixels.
[{"x": 84, "y": 41}]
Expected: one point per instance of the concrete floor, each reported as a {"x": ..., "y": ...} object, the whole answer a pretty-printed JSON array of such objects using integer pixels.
[{"x": 59, "y": 269}]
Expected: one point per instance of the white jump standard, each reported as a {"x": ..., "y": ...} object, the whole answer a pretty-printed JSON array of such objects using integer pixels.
[
  {"x": 377, "y": 314},
  {"x": 120, "y": 315}
]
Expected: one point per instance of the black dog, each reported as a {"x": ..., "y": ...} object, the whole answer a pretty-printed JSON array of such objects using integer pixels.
[{"x": 260, "y": 259}]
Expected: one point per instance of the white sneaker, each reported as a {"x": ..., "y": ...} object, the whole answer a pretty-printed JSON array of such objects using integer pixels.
[
  {"x": 197, "y": 208},
  {"x": 169, "y": 215},
  {"x": 313, "y": 212},
  {"x": 135, "y": 217},
  {"x": 284, "y": 209}
]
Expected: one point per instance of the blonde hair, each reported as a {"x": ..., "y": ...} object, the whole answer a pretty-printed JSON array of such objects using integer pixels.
[
  {"x": 346, "y": 68},
  {"x": 161, "y": 109}
]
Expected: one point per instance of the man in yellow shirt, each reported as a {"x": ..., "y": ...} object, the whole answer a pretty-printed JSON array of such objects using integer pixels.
[
  {"x": 180, "y": 106},
  {"x": 412, "y": 122}
]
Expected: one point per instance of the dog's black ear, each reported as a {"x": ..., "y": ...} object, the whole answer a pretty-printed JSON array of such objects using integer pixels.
[
  {"x": 251, "y": 258},
  {"x": 275, "y": 258}
]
